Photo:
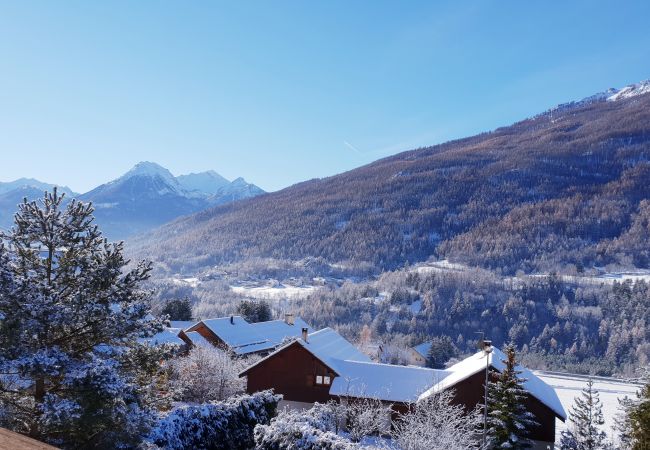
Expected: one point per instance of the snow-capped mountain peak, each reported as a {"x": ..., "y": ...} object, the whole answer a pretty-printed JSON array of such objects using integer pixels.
[
  {"x": 209, "y": 182},
  {"x": 150, "y": 169},
  {"x": 630, "y": 91}
]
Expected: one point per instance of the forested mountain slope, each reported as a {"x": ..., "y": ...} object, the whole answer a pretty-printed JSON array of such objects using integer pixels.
[{"x": 570, "y": 186}]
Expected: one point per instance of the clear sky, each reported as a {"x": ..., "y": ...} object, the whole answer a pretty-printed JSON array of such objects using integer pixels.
[{"x": 280, "y": 92}]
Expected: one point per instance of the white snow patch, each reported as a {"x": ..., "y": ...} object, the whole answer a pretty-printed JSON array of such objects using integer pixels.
[
  {"x": 631, "y": 91},
  {"x": 275, "y": 292},
  {"x": 442, "y": 265}
]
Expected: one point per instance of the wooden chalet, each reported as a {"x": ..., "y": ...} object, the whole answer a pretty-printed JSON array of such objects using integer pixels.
[
  {"x": 323, "y": 366},
  {"x": 240, "y": 337}
]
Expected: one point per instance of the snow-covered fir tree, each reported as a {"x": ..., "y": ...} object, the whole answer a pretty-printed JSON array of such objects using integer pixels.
[
  {"x": 437, "y": 424},
  {"x": 586, "y": 419},
  {"x": 70, "y": 318},
  {"x": 634, "y": 424},
  {"x": 508, "y": 420}
]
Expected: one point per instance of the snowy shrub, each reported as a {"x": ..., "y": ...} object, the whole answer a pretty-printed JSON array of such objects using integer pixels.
[
  {"x": 215, "y": 426},
  {"x": 437, "y": 424},
  {"x": 313, "y": 429},
  {"x": 207, "y": 374},
  {"x": 367, "y": 417}
]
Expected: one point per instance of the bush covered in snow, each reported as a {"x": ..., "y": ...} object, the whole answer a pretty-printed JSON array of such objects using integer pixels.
[
  {"x": 207, "y": 374},
  {"x": 313, "y": 429},
  {"x": 437, "y": 424},
  {"x": 216, "y": 426}
]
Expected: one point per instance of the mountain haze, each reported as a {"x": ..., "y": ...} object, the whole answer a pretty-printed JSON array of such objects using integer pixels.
[
  {"x": 145, "y": 197},
  {"x": 568, "y": 187}
]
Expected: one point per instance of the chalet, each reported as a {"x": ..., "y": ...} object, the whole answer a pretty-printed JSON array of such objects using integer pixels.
[
  {"x": 237, "y": 335},
  {"x": 323, "y": 366},
  {"x": 420, "y": 353}
]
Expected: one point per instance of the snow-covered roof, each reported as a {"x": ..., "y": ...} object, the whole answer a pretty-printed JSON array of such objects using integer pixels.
[
  {"x": 181, "y": 324},
  {"x": 477, "y": 362},
  {"x": 166, "y": 336},
  {"x": 332, "y": 348},
  {"x": 169, "y": 335},
  {"x": 243, "y": 337},
  {"x": 423, "y": 349},
  {"x": 197, "y": 339},
  {"x": 384, "y": 381},
  {"x": 326, "y": 345}
]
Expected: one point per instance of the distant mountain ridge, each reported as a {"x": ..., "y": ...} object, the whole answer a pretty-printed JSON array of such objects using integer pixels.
[
  {"x": 567, "y": 188},
  {"x": 146, "y": 196}
]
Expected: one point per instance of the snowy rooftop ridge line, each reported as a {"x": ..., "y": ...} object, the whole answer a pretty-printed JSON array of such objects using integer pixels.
[{"x": 244, "y": 337}]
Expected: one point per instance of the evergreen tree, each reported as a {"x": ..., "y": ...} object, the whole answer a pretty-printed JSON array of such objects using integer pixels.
[
  {"x": 442, "y": 348},
  {"x": 586, "y": 417},
  {"x": 508, "y": 420},
  {"x": 70, "y": 317},
  {"x": 254, "y": 311},
  {"x": 635, "y": 426},
  {"x": 178, "y": 309}
]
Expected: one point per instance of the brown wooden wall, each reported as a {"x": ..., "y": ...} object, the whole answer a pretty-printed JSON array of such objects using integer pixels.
[
  {"x": 292, "y": 373},
  {"x": 470, "y": 392}
]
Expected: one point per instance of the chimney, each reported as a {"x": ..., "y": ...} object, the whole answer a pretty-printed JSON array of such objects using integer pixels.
[
  {"x": 232, "y": 320},
  {"x": 288, "y": 318},
  {"x": 304, "y": 334}
]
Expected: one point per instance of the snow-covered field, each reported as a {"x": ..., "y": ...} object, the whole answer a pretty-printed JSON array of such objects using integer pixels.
[
  {"x": 569, "y": 386},
  {"x": 440, "y": 266},
  {"x": 274, "y": 292}
]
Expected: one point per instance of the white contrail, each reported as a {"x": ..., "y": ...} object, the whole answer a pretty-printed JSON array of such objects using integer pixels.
[{"x": 352, "y": 147}]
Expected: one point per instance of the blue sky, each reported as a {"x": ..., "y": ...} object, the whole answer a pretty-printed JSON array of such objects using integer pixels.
[{"x": 280, "y": 92}]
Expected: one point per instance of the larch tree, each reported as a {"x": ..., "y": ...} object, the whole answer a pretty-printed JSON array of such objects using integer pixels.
[
  {"x": 70, "y": 317},
  {"x": 508, "y": 419},
  {"x": 586, "y": 419}
]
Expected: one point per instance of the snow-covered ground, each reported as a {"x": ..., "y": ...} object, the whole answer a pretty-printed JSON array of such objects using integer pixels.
[
  {"x": 192, "y": 282},
  {"x": 440, "y": 266},
  {"x": 274, "y": 292},
  {"x": 569, "y": 386}
]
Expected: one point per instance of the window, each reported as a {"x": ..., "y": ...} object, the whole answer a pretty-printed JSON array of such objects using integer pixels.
[{"x": 323, "y": 380}]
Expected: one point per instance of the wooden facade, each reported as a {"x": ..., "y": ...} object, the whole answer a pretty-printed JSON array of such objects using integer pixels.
[{"x": 293, "y": 373}]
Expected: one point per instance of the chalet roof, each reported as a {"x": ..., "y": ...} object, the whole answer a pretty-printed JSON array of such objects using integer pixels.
[
  {"x": 197, "y": 339},
  {"x": 326, "y": 345},
  {"x": 332, "y": 348},
  {"x": 477, "y": 362},
  {"x": 14, "y": 441},
  {"x": 423, "y": 349},
  {"x": 169, "y": 335},
  {"x": 383, "y": 381},
  {"x": 244, "y": 337}
]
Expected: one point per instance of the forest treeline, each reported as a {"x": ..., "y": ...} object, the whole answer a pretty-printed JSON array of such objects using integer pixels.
[{"x": 557, "y": 325}]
